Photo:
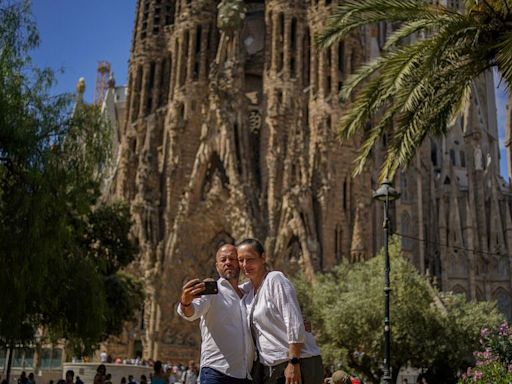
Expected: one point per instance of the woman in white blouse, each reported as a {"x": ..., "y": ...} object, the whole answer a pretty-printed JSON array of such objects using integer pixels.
[{"x": 287, "y": 353}]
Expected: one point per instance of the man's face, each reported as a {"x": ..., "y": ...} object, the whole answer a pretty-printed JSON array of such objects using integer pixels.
[{"x": 227, "y": 262}]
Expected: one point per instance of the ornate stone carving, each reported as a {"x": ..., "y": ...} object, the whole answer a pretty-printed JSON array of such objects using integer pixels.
[{"x": 230, "y": 132}]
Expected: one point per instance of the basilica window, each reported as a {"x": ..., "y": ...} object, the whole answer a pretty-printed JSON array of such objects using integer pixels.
[
  {"x": 338, "y": 241},
  {"x": 405, "y": 224},
  {"x": 504, "y": 302},
  {"x": 306, "y": 58},
  {"x": 452, "y": 157},
  {"x": 293, "y": 47},
  {"x": 462, "y": 159}
]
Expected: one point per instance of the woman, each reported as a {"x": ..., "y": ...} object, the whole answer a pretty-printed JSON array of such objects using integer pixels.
[
  {"x": 100, "y": 376},
  {"x": 159, "y": 376},
  {"x": 287, "y": 353}
]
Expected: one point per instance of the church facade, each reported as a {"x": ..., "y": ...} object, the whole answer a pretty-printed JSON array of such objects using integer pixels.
[{"x": 228, "y": 130}]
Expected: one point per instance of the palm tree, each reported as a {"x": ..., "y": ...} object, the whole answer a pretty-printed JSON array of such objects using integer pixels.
[{"x": 423, "y": 78}]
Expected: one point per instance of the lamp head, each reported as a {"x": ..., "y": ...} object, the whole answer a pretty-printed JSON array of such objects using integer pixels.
[{"x": 386, "y": 190}]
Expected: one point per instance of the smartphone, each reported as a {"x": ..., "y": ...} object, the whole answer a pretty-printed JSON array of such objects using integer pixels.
[{"x": 210, "y": 288}]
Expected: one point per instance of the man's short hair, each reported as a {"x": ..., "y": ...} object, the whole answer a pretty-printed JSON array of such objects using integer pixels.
[{"x": 341, "y": 377}]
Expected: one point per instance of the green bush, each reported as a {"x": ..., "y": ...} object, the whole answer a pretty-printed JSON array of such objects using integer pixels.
[{"x": 494, "y": 361}]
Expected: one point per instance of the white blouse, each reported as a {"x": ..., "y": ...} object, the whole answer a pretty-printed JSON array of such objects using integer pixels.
[{"x": 277, "y": 320}]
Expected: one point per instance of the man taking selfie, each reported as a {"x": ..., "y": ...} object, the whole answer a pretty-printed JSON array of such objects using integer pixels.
[{"x": 227, "y": 348}]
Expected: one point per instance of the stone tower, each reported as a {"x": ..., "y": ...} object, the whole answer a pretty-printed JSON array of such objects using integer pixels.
[{"x": 230, "y": 131}]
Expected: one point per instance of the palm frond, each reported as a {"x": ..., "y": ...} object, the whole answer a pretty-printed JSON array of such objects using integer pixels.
[
  {"x": 367, "y": 101},
  {"x": 504, "y": 58},
  {"x": 470, "y": 4},
  {"x": 416, "y": 88},
  {"x": 392, "y": 67},
  {"x": 370, "y": 140},
  {"x": 363, "y": 73},
  {"x": 443, "y": 96},
  {"x": 352, "y": 14},
  {"x": 412, "y": 27},
  {"x": 457, "y": 37},
  {"x": 402, "y": 64},
  {"x": 440, "y": 105},
  {"x": 502, "y": 7}
]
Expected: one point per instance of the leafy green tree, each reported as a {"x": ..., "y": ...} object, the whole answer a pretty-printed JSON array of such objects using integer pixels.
[
  {"x": 99, "y": 296},
  {"x": 61, "y": 251},
  {"x": 429, "y": 329},
  {"x": 425, "y": 73}
]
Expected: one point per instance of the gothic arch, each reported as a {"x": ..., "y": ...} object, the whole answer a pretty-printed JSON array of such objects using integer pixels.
[
  {"x": 404, "y": 186},
  {"x": 504, "y": 302},
  {"x": 294, "y": 249},
  {"x": 479, "y": 294},
  {"x": 213, "y": 173},
  {"x": 459, "y": 290}
]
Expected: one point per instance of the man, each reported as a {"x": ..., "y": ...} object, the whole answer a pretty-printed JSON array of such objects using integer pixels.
[
  {"x": 190, "y": 375},
  {"x": 227, "y": 349},
  {"x": 341, "y": 377},
  {"x": 23, "y": 378}
]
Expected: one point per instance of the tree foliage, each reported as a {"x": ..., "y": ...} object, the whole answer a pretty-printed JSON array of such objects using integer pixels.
[
  {"x": 424, "y": 76},
  {"x": 428, "y": 329},
  {"x": 494, "y": 359},
  {"x": 61, "y": 250}
]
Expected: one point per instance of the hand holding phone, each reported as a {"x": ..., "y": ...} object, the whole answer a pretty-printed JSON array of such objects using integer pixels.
[
  {"x": 190, "y": 291},
  {"x": 210, "y": 287}
]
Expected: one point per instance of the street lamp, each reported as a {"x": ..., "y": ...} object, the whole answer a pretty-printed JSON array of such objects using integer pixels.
[{"x": 386, "y": 193}]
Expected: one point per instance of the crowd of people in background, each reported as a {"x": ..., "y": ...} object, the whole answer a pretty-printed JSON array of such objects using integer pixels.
[
  {"x": 169, "y": 373},
  {"x": 251, "y": 332}
]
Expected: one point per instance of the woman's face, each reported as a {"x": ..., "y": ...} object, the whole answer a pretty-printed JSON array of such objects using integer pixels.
[{"x": 251, "y": 263}]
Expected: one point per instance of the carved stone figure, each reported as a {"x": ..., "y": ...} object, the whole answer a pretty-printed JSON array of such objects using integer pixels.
[{"x": 230, "y": 131}]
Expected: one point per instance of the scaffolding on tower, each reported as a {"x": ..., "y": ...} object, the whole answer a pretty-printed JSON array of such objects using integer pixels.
[{"x": 102, "y": 75}]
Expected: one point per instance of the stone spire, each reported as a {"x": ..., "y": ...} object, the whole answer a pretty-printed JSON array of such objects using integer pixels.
[
  {"x": 456, "y": 260},
  {"x": 80, "y": 90},
  {"x": 469, "y": 235},
  {"x": 79, "y": 97},
  {"x": 358, "y": 250},
  {"x": 230, "y": 132}
]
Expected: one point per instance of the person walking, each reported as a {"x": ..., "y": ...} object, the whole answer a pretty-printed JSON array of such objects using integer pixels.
[
  {"x": 159, "y": 375},
  {"x": 191, "y": 374}
]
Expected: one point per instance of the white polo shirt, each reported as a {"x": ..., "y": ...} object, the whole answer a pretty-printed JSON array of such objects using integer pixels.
[{"x": 227, "y": 344}]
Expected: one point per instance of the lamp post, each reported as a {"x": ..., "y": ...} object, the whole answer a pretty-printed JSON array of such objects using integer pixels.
[{"x": 386, "y": 193}]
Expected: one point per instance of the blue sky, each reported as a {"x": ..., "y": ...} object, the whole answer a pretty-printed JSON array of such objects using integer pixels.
[
  {"x": 76, "y": 34},
  {"x": 501, "y": 103}
]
